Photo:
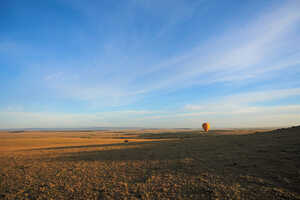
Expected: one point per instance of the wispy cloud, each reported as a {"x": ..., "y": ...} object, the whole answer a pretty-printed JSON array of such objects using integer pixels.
[
  {"x": 235, "y": 102},
  {"x": 20, "y": 119},
  {"x": 243, "y": 107},
  {"x": 238, "y": 54},
  {"x": 170, "y": 13},
  {"x": 241, "y": 53},
  {"x": 133, "y": 58},
  {"x": 239, "y": 110}
]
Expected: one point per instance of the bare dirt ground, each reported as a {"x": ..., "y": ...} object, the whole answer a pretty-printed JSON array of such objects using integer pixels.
[{"x": 150, "y": 164}]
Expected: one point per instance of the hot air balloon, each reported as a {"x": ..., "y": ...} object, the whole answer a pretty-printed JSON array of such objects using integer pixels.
[{"x": 205, "y": 126}]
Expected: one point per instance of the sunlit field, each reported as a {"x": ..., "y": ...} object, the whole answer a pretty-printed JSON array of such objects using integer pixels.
[{"x": 151, "y": 164}]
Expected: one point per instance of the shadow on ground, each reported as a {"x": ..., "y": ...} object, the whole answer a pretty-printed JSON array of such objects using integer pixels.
[{"x": 187, "y": 166}]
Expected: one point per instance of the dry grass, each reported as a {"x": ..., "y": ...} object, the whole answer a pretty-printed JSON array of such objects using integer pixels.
[{"x": 153, "y": 164}]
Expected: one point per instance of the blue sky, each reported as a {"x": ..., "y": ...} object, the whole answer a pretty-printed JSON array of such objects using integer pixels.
[{"x": 149, "y": 63}]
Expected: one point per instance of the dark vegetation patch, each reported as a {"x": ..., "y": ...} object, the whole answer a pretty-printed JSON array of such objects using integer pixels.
[{"x": 20, "y": 131}]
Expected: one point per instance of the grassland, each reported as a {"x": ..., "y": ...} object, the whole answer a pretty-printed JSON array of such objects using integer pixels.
[{"x": 150, "y": 164}]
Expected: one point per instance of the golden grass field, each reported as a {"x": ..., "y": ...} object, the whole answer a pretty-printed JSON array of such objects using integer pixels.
[{"x": 153, "y": 164}]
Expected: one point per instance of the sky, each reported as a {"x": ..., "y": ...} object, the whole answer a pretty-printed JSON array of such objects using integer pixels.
[{"x": 149, "y": 63}]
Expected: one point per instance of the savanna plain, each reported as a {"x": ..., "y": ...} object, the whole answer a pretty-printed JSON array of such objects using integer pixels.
[{"x": 150, "y": 164}]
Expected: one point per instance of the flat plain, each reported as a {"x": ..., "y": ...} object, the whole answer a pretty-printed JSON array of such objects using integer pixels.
[{"x": 150, "y": 164}]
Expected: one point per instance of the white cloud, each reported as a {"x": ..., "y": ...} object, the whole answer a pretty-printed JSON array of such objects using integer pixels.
[
  {"x": 243, "y": 102},
  {"x": 22, "y": 119},
  {"x": 46, "y": 120},
  {"x": 265, "y": 44},
  {"x": 241, "y": 110},
  {"x": 223, "y": 113},
  {"x": 262, "y": 46},
  {"x": 246, "y": 117},
  {"x": 55, "y": 76},
  {"x": 262, "y": 96}
]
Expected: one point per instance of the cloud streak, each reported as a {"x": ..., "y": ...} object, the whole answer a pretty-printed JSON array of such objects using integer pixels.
[
  {"x": 244, "y": 54},
  {"x": 146, "y": 63},
  {"x": 241, "y": 53},
  {"x": 238, "y": 110}
]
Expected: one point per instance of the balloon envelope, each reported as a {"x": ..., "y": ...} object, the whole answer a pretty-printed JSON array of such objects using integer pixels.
[{"x": 205, "y": 126}]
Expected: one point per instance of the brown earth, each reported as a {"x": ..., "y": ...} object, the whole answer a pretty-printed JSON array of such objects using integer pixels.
[{"x": 151, "y": 164}]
